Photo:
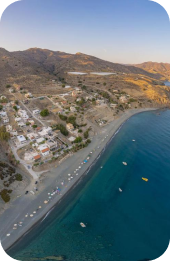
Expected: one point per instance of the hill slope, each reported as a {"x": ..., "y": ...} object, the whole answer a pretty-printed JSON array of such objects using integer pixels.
[{"x": 156, "y": 68}]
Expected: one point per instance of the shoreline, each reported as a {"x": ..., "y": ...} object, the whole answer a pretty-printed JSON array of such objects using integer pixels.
[{"x": 110, "y": 130}]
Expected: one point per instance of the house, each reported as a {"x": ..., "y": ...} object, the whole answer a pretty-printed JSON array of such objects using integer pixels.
[
  {"x": 113, "y": 105},
  {"x": 40, "y": 140},
  {"x": 73, "y": 109},
  {"x": 17, "y": 119},
  {"x": 21, "y": 139},
  {"x": 52, "y": 144},
  {"x": 8, "y": 128},
  {"x": 28, "y": 95},
  {"x": 69, "y": 127},
  {"x": 31, "y": 122},
  {"x": 45, "y": 131},
  {"x": 37, "y": 157},
  {"x": 44, "y": 149},
  {"x": 5, "y": 120},
  {"x": 23, "y": 114},
  {"x": 71, "y": 139},
  {"x": 36, "y": 112},
  {"x": 32, "y": 136},
  {"x": 3, "y": 114},
  {"x": 21, "y": 124},
  {"x": 123, "y": 99},
  {"x": 11, "y": 90}
]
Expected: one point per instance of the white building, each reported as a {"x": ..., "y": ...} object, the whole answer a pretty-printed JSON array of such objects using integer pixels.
[
  {"x": 40, "y": 140},
  {"x": 8, "y": 128},
  {"x": 3, "y": 114},
  {"x": 32, "y": 136},
  {"x": 73, "y": 109},
  {"x": 36, "y": 112},
  {"x": 44, "y": 149},
  {"x": 17, "y": 119},
  {"x": 23, "y": 114},
  {"x": 45, "y": 131},
  {"x": 21, "y": 139}
]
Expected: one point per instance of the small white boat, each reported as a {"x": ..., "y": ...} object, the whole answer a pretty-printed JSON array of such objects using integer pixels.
[
  {"x": 124, "y": 163},
  {"x": 133, "y": 140},
  {"x": 120, "y": 190},
  {"x": 82, "y": 224}
]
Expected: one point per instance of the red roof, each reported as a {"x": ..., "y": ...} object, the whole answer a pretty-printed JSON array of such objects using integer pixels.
[
  {"x": 45, "y": 150},
  {"x": 37, "y": 157}
]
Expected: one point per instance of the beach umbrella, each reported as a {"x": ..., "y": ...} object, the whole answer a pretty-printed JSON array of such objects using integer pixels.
[
  {"x": 69, "y": 174},
  {"x": 8, "y": 235},
  {"x": 31, "y": 215},
  {"x": 15, "y": 225},
  {"x": 40, "y": 207},
  {"x": 34, "y": 212},
  {"x": 77, "y": 174},
  {"x": 71, "y": 177},
  {"x": 20, "y": 222},
  {"x": 14, "y": 228},
  {"x": 45, "y": 202}
]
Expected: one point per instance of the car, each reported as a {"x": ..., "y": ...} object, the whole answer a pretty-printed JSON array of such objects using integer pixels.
[
  {"x": 36, "y": 182},
  {"x": 26, "y": 192},
  {"x": 28, "y": 167}
]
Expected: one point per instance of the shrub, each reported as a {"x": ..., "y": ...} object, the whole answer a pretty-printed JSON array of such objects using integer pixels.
[
  {"x": 78, "y": 140},
  {"x": 5, "y": 195},
  {"x": 44, "y": 113},
  {"x": 62, "y": 117},
  {"x": 18, "y": 177}
]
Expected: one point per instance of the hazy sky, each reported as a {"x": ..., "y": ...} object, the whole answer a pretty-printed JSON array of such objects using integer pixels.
[{"x": 123, "y": 31}]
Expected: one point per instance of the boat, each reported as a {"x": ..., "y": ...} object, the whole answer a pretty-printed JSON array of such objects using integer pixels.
[
  {"x": 124, "y": 163},
  {"x": 120, "y": 190},
  {"x": 145, "y": 179},
  {"x": 82, "y": 224},
  {"x": 133, "y": 140}
]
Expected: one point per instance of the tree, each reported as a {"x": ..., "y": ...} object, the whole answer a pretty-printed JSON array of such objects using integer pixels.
[
  {"x": 62, "y": 117},
  {"x": 1, "y": 107},
  {"x": 4, "y": 135},
  {"x": 44, "y": 113},
  {"x": 8, "y": 86},
  {"x": 86, "y": 134},
  {"x": 18, "y": 177},
  {"x": 15, "y": 108},
  {"x": 62, "y": 129},
  {"x": 34, "y": 126},
  {"x": 78, "y": 140}
]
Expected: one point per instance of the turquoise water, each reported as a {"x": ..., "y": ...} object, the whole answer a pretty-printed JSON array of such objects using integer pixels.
[{"x": 133, "y": 225}]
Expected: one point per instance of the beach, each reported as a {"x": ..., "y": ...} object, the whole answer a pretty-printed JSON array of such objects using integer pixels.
[{"x": 76, "y": 166}]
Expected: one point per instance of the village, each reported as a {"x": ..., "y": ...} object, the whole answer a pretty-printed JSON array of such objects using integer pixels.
[{"x": 44, "y": 130}]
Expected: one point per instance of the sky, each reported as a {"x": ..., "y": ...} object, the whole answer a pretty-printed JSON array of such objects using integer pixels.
[{"x": 121, "y": 31}]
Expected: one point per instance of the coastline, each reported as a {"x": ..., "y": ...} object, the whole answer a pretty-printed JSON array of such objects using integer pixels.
[{"x": 110, "y": 130}]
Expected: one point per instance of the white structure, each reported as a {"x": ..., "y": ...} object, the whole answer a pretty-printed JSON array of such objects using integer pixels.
[
  {"x": 71, "y": 139},
  {"x": 5, "y": 120},
  {"x": 44, "y": 150},
  {"x": 21, "y": 139},
  {"x": 40, "y": 140},
  {"x": 17, "y": 119},
  {"x": 36, "y": 111},
  {"x": 32, "y": 136},
  {"x": 70, "y": 127},
  {"x": 8, "y": 128},
  {"x": 21, "y": 124},
  {"x": 45, "y": 131},
  {"x": 73, "y": 109},
  {"x": 23, "y": 114},
  {"x": 3, "y": 114}
]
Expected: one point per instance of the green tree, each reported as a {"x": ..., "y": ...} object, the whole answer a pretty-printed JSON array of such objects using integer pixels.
[
  {"x": 15, "y": 108},
  {"x": 18, "y": 177},
  {"x": 78, "y": 140},
  {"x": 62, "y": 117},
  {"x": 4, "y": 135},
  {"x": 44, "y": 113},
  {"x": 1, "y": 107}
]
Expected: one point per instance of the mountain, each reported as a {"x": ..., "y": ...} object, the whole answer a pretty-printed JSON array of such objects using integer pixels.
[
  {"x": 156, "y": 68},
  {"x": 35, "y": 65}
]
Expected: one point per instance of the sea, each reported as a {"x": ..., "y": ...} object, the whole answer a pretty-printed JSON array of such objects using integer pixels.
[{"x": 132, "y": 225}]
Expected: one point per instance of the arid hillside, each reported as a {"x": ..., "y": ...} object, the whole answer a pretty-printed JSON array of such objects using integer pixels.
[
  {"x": 156, "y": 68},
  {"x": 34, "y": 66}
]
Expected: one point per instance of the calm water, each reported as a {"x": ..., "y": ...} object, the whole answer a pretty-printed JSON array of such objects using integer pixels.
[
  {"x": 132, "y": 225},
  {"x": 167, "y": 83}
]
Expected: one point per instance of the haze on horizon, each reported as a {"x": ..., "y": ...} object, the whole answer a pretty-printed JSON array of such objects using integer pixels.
[{"x": 124, "y": 31}]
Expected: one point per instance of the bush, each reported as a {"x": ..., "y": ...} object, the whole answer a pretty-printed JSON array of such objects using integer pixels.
[
  {"x": 62, "y": 117},
  {"x": 34, "y": 126},
  {"x": 8, "y": 86},
  {"x": 78, "y": 140},
  {"x": 86, "y": 134},
  {"x": 44, "y": 113},
  {"x": 5, "y": 195},
  {"x": 18, "y": 177},
  {"x": 1, "y": 107},
  {"x": 62, "y": 129},
  {"x": 15, "y": 108}
]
